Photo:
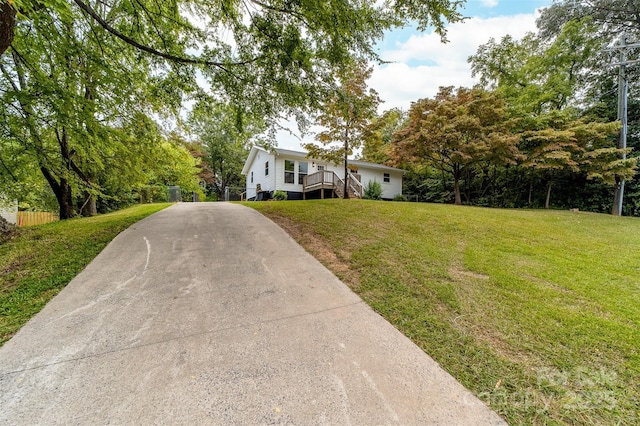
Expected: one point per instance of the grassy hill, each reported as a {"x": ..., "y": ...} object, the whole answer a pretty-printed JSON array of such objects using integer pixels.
[{"x": 537, "y": 312}]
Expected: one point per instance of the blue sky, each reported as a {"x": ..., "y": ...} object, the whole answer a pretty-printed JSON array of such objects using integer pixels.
[
  {"x": 420, "y": 63},
  {"x": 477, "y": 9}
]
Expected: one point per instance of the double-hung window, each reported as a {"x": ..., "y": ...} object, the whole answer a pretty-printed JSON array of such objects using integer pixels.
[
  {"x": 387, "y": 177},
  {"x": 303, "y": 170},
  {"x": 289, "y": 171}
]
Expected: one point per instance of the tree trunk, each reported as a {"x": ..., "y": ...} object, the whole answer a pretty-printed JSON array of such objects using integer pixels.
[
  {"x": 7, "y": 25},
  {"x": 530, "y": 190},
  {"x": 346, "y": 185},
  {"x": 546, "y": 203},
  {"x": 62, "y": 191},
  {"x": 456, "y": 185},
  {"x": 89, "y": 208},
  {"x": 65, "y": 199}
]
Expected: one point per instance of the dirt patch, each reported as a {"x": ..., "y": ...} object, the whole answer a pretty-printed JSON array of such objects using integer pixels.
[
  {"x": 457, "y": 272},
  {"x": 319, "y": 248}
]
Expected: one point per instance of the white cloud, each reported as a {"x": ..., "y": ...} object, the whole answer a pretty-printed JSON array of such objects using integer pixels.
[
  {"x": 489, "y": 3},
  {"x": 422, "y": 64}
]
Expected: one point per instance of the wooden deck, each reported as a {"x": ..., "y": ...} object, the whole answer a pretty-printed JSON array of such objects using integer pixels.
[{"x": 329, "y": 180}]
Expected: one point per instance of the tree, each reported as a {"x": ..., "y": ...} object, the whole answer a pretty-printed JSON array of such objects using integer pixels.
[
  {"x": 537, "y": 76},
  {"x": 345, "y": 116},
  {"x": 158, "y": 19},
  {"x": 274, "y": 57},
  {"x": 611, "y": 17},
  {"x": 75, "y": 107},
  {"x": 547, "y": 79},
  {"x": 455, "y": 131},
  {"x": 175, "y": 166},
  {"x": 376, "y": 143},
  {"x": 226, "y": 136}
]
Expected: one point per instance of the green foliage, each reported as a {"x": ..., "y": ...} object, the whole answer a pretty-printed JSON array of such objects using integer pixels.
[
  {"x": 544, "y": 78},
  {"x": 455, "y": 131},
  {"x": 400, "y": 197},
  {"x": 153, "y": 194},
  {"x": 279, "y": 195},
  {"x": 268, "y": 57},
  {"x": 372, "y": 190},
  {"x": 83, "y": 79},
  {"x": 226, "y": 135},
  {"x": 175, "y": 166},
  {"x": 41, "y": 260},
  {"x": 535, "y": 76},
  {"x": 78, "y": 113},
  {"x": 376, "y": 144},
  {"x": 345, "y": 117},
  {"x": 541, "y": 334}
]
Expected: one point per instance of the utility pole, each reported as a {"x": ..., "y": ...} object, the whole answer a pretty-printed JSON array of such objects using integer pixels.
[{"x": 623, "y": 89}]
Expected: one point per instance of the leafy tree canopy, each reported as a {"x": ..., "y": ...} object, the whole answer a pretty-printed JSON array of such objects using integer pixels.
[
  {"x": 266, "y": 55},
  {"x": 376, "y": 144},
  {"x": 345, "y": 117},
  {"x": 226, "y": 136},
  {"x": 456, "y": 130}
]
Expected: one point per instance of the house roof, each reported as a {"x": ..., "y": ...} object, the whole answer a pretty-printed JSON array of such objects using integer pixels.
[
  {"x": 364, "y": 164},
  {"x": 302, "y": 154}
]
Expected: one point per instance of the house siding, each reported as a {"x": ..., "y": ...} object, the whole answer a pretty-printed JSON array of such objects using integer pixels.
[
  {"x": 389, "y": 189},
  {"x": 291, "y": 187},
  {"x": 266, "y": 182}
]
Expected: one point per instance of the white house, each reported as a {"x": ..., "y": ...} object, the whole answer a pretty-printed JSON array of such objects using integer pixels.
[
  {"x": 302, "y": 177},
  {"x": 9, "y": 209}
]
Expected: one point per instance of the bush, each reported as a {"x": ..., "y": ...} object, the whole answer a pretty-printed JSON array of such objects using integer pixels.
[
  {"x": 400, "y": 197},
  {"x": 279, "y": 195},
  {"x": 152, "y": 194},
  {"x": 373, "y": 191}
]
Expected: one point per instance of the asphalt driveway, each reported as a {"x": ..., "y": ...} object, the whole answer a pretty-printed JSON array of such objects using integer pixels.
[{"x": 209, "y": 313}]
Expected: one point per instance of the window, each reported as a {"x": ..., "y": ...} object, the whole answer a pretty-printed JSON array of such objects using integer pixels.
[
  {"x": 266, "y": 168},
  {"x": 387, "y": 177},
  {"x": 320, "y": 168},
  {"x": 251, "y": 177},
  {"x": 289, "y": 171},
  {"x": 303, "y": 169}
]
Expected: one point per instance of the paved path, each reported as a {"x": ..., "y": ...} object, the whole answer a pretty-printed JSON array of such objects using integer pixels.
[{"x": 210, "y": 314}]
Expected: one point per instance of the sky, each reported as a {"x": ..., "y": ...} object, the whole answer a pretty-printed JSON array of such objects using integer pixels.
[{"x": 420, "y": 63}]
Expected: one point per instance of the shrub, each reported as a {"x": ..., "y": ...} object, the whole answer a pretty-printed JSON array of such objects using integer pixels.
[
  {"x": 279, "y": 195},
  {"x": 373, "y": 191},
  {"x": 400, "y": 197}
]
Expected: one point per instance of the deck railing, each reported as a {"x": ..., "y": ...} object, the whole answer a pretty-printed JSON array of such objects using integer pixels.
[
  {"x": 323, "y": 177},
  {"x": 328, "y": 179},
  {"x": 356, "y": 185}
]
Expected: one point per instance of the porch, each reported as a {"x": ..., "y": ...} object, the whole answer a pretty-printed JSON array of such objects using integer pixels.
[{"x": 328, "y": 180}]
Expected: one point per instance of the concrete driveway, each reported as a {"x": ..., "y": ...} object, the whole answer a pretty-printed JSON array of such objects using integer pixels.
[{"x": 211, "y": 314}]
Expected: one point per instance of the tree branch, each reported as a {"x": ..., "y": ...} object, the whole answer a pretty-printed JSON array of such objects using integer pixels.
[{"x": 178, "y": 59}]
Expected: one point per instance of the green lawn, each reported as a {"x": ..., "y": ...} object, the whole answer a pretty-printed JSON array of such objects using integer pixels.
[
  {"x": 37, "y": 263},
  {"x": 537, "y": 312}
]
